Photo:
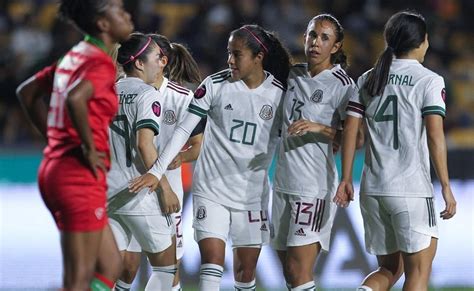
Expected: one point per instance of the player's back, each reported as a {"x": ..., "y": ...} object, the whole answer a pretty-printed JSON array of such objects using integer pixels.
[{"x": 397, "y": 158}]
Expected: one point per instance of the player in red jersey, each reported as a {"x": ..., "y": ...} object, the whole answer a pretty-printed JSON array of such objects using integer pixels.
[{"x": 72, "y": 173}]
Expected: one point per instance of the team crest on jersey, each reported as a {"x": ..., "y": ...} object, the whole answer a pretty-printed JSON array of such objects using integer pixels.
[
  {"x": 201, "y": 213},
  {"x": 266, "y": 113},
  {"x": 200, "y": 92},
  {"x": 317, "y": 96},
  {"x": 443, "y": 94},
  {"x": 169, "y": 117},
  {"x": 156, "y": 107}
]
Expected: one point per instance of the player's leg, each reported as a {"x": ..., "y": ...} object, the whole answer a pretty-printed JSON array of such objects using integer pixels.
[
  {"x": 155, "y": 234},
  {"x": 131, "y": 262},
  {"x": 386, "y": 275},
  {"x": 418, "y": 267},
  {"x": 250, "y": 230},
  {"x": 309, "y": 232},
  {"x": 281, "y": 211},
  {"x": 109, "y": 262},
  {"x": 211, "y": 228}
]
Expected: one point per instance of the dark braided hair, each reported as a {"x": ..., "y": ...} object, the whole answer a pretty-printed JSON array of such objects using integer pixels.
[{"x": 83, "y": 13}]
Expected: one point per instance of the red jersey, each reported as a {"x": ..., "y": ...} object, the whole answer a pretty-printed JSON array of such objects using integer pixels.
[{"x": 84, "y": 61}]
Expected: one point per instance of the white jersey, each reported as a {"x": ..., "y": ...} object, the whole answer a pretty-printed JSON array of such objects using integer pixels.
[
  {"x": 175, "y": 103},
  {"x": 306, "y": 163},
  {"x": 397, "y": 155},
  {"x": 140, "y": 106},
  {"x": 239, "y": 141}
]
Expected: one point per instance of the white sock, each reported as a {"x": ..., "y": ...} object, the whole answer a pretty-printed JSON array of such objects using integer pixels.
[
  {"x": 177, "y": 287},
  {"x": 161, "y": 278},
  {"x": 241, "y": 286},
  {"x": 288, "y": 286},
  {"x": 122, "y": 286},
  {"x": 308, "y": 286},
  {"x": 210, "y": 277},
  {"x": 364, "y": 288}
]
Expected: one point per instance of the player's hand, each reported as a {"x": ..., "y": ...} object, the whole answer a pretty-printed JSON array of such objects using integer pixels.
[
  {"x": 302, "y": 126},
  {"x": 450, "y": 202},
  {"x": 344, "y": 194},
  {"x": 176, "y": 163},
  {"x": 145, "y": 181},
  {"x": 95, "y": 160},
  {"x": 335, "y": 146},
  {"x": 169, "y": 201}
]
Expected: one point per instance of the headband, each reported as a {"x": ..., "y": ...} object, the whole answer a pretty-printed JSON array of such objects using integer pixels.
[
  {"x": 133, "y": 57},
  {"x": 256, "y": 38}
]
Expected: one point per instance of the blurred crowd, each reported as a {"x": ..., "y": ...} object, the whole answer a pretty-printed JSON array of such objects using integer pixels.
[{"x": 31, "y": 36}]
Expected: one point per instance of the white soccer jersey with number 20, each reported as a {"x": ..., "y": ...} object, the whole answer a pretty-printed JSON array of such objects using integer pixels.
[{"x": 397, "y": 156}]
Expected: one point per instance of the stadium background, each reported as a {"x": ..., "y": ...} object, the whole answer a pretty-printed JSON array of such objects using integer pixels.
[{"x": 31, "y": 37}]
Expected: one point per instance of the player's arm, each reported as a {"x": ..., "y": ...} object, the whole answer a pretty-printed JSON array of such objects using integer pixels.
[
  {"x": 169, "y": 202},
  {"x": 302, "y": 126},
  {"x": 172, "y": 148},
  {"x": 345, "y": 190},
  {"x": 76, "y": 103},
  {"x": 437, "y": 148},
  {"x": 31, "y": 95},
  {"x": 194, "y": 142}
]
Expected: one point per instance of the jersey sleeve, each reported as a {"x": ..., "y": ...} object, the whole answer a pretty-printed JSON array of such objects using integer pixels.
[
  {"x": 149, "y": 111},
  {"x": 355, "y": 106},
  {"x": 434, "y": 97},
  {"x": 45, "y": 77},
  {"x": 202, "y": 99},
  {"x": 174, "y": 145},
  {"x": 344, "y": 101}
]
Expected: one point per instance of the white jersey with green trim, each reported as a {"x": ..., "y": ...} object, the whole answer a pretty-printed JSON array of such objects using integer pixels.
[
  {"x": 176, "y": 100},
  {"x": 241, "y": 134},
  {"x": 305, "y": 163},
  {"x": 397, "y": 155},
  {"x": 140, "y": 106}
]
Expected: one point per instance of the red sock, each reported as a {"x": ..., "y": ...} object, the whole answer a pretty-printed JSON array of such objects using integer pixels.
[{"x": 104, "y": 280}]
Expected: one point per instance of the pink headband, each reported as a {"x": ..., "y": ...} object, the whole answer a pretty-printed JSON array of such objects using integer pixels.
[
  {"x": 256, "y": 38},
  {"x": 132, "y": 58}
]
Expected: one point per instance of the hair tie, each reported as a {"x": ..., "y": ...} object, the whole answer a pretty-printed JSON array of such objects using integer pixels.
[
  {"x": 256, "y": 38},
  {"x": 133, "y": 57}
]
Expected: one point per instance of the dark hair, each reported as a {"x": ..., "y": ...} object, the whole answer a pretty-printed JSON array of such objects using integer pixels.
[
  {"x": 181, "y": 67},
  {"x": 338, "y": 57},
  {"x": 403, "y": 32},
  {"x": 276, "y": 59},
  {"x": 129, "y": 50},
  {"x": 83, "y": 13}
]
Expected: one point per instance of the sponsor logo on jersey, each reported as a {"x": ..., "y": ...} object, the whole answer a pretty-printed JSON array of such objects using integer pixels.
[
  {"x": 263, "y": 227},
  {"x": 201, "y": 213},
  {"x": 99, "y": 213},
  {"x": 266, "y": 113},
  {"x": 200, "y": 92},
  {"x": 300, "y": 232},
  {"x": 317, "y": 96},
  {"x": 169, "y": 117},
  {"x": 180, "y": 244},
  {"x": 228, "y": 107},
  {"x": 156, "y": 107},
  {"x": 443, "y": 94}
]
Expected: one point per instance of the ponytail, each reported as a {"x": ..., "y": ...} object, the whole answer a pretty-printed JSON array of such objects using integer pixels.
[
  {"x": 378, "y": 76},
  {"x": 181, "y": 67}
]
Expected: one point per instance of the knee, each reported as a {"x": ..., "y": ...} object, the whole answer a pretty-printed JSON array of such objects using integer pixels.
[
  {"x": 245, "y": 271},
  {"x": 79, "y": 278},
  {"x": 130, "y": 269}
]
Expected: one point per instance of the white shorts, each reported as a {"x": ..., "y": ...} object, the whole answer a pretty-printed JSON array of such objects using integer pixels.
[
  {"x": 302, "y": 220},
  {"x": 244, "y": 227},
  {"x": 152, "y": 232},
  {"x": 134, "y": 246},
  {"x": 398, "y": 223}
]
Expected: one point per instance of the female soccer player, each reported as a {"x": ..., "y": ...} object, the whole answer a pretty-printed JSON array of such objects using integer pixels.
[
  {"x": 72, "y": 176},
  {"x": 230, "y": 188},
  {"x": 402, "y": 104},
  {"x": 144, "y": 215},
  {"x": 178, "y": 64},
  {"x": 306, "y": 176}
]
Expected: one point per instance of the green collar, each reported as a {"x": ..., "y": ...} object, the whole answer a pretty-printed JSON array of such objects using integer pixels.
[{"x": 95, "y": 41}]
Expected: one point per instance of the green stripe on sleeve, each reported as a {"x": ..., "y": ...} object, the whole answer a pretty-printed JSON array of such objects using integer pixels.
[
  {"x": 197, "y": 110},
  {"x": 148, "y": 123},
  {"x": 429, "y": 110}
]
